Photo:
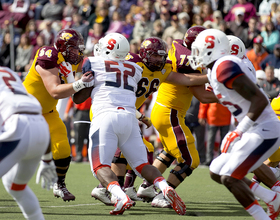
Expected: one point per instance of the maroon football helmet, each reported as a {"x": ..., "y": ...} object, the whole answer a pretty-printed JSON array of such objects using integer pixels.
[
  {"x": 150, "y": 46},
  {"x": 67, "y": 39},
  {"x": 191, "y": 34}
]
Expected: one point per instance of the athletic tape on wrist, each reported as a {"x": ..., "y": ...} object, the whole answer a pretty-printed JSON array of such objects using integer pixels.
[
  {"x": 47, "y": 156},
  {"x": 245, "y": 124},
  {"x": 78, "y": 85}
]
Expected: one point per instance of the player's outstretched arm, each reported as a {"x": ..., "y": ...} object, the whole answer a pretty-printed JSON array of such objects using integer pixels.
[
  {"x": 203, "y": 95},
  {"x": 193, "y": 79}
]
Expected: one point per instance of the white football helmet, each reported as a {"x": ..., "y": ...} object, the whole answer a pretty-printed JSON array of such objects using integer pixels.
[
  {"x": 237, "y": 47},
  {"x": 113, "y": 46},
  {"x": 209, "y": 45}
]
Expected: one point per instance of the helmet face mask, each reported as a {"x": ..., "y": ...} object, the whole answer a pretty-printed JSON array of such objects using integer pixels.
[
  {"x": 113, "y": 46},
  {"x": 210, "y": 45},
  {"x": 153, "y": 53},
  {"x": 67, "y": 40},
  {"x": 237, "y": 47}
]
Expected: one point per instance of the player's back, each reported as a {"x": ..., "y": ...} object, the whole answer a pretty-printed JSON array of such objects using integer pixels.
[
  {"x": 177, "y": 96},
  {"x": 115, "y": 84},
  {"x": 224, "y": 71},
  {"x": 13, "y": 96},
  {"x": 47, "y": 57},
  {"x": 150, "y": 81}
]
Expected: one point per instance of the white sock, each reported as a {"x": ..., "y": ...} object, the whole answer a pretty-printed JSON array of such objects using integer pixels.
[
  {"x": 257, "y": 211},
  {"x": 265, "y": 194},
  {"x": 160, "y": 183},
  {"x": 116, "y": 190}
]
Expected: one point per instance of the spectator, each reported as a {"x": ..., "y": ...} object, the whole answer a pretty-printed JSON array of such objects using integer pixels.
[
  {"x": 197, "y": 6},
  {"x": 86, "y": 9},
  {"x": 23, "y": 53},
  {"x": 94, "y": 34},
  {"x": 100, "y": 16},
  {"x": 126, "y": 5},
  {"x": 238, "y": 25},
  {"x": 272, "y": 59},
  {"x": 206, "y": 11},
  {"x": 271, "y": 85},
  {"x": 258, "y": 53},
  {"x": 247, "y": 8},
  {"x": 191, "y": 120},
  {"x": 116, "y": 24},
  {"x": 197, "y": 20},
  {"x": 37, "y": 6},
  {"x": 228, "y": 5},
  {"x": 188, "y": 9},
  {"x": 184, "y": 19},
  {"x": 270, "y": 36},
  {"x": 157, "y": 29},
  {"x": 52, "y": 10},
  {"x": 250, "y": 33},
  {"x": 175, "y": 30},
  {"x": 218, "y": 118},
  {"x": 32, "y": 31},
  {"x": 148, "y": 7},
  {"x": 80, "y": 25},
  {"x": 5, "y": 56},
  {"x": 223, "y": 26},
  {"x": 208, "y": 24},
  {"x": 128, "y": 26},
  {"x": 115, "y": 6},
  {"x": 217, "y": 19},
  {"x": 69, "y": 9},
  {"x": 134, "y": 46},
  {"x": 47, "y": 32},
  {"x": 165, "y": 19},
  {"x": 143, "y": 28}
]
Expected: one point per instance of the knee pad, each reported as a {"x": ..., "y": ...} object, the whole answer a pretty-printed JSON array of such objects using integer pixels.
[
  {"x": 119, "y": 160},
  {"x": 167, "y": 163},
  {"x": 184, "y": 169}
]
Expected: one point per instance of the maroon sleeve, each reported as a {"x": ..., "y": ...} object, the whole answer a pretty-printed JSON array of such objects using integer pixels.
[{"x": 47, "y": 57}]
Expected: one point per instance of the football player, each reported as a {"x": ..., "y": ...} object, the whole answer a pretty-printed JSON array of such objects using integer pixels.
[
  {"x": 255, "y": 138},
  {"x": 51, "y": 77},
  {"x": 114, "y": 123},
  {"x": 156, "y": 69},
  {"x": 24, "y": 138}
]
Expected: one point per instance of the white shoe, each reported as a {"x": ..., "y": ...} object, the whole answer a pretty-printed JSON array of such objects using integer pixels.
[
  {"x": 102, "y": 195},
  {"x": 160, "y": 202},
  {"x": 174, "y": 199},
  {"x": 147, "y": 193},
  {"x": 273, "y": 207},
  {"x": 60, "y": 190},
  {"x": 121, "y": 206},
  {"x": 131, "y": 192}
]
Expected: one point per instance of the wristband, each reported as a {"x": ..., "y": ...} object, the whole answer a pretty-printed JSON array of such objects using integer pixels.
[
  {"x": 245, "y": 124},
  {"x": 139, "y": 116},
  {"x": 78, "y": 85},
  {"x": 47, "y": 157}
]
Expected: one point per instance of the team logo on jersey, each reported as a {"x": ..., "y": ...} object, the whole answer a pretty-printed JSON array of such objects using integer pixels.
[
  {"x": 66, "y": 36},
  {"x": 128, "y": 56},
  {"x": 146, "y": 43}
]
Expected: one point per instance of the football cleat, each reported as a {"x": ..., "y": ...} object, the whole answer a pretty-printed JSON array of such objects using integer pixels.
[
  {"x": 131, "y": 192},
  {"x": 147, "y": 193},
  {"x": 273, "y": 207},
  {"x": 160, "y": 202},
  {"x": 176, "y": 202},
  {"x": 121, "y": 206},
  {"x": 103, "y": 195},
  {"x": 60, "y": 190}
]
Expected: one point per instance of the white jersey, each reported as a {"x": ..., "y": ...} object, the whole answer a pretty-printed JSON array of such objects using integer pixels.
[
  {"x": 115, "y": 84},
  {"x": 249, "y": 65},
  {"x": 224, "y": 70},
  {"x": 13, "y": 96}
]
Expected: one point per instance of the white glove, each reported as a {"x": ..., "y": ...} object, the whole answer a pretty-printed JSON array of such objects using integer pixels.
[{"x": 47, "y": 174}]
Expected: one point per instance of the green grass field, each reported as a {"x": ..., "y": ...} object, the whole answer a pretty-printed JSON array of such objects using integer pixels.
[{"x": 205, "y": 200}]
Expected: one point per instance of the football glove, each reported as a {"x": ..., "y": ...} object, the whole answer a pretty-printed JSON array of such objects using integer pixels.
[
  {"x": 47, "y": 173},
  {"x": 229, "y": 140},
  {"x": 65, "y": 69}
]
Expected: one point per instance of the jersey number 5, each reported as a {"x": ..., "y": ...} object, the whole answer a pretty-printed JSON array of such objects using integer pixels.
[{"x": 131, "y": 72}]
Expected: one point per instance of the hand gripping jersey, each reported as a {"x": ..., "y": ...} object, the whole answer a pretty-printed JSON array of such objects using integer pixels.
[
  {"x": 177, "y": 96},
  {"x": 221, "y": 77},
  {"x": 47, "y": 57},
  {"x": 150, "y": 81},
  {"x": 115, "y": 84},
  {"x": 13, "y": 96}
]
